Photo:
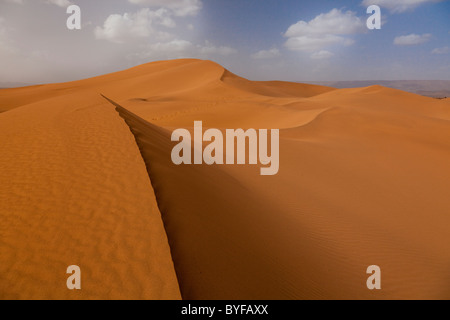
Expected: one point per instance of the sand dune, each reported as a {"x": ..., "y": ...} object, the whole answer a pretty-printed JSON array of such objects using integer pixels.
[
  {"x": 429, "y": 88},
  {"x": 364, "y": 179},
  {"x": 74, "y": 191}
]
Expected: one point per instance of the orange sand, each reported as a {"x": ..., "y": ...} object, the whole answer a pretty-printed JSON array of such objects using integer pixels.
[{"x": 364, "y": 179}]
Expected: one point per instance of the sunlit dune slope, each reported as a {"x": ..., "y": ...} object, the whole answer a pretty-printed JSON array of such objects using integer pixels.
[
  {"x": 74, "y": 191},
  {"x": 364, "y": 180}
]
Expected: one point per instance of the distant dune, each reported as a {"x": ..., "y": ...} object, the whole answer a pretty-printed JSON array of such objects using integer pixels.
[
  {"x": 364, "y": 179},
  {"x": 429, "y": 88}
]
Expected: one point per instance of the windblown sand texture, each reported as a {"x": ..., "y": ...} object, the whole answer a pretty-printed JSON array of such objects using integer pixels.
[{"x": 364, "y": 179}]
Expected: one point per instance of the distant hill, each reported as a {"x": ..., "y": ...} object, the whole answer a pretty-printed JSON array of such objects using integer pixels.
[{"x": 429, "y": 88}]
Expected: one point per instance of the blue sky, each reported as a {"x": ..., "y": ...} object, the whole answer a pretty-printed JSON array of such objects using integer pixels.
[{"x": 320, "y": 40}]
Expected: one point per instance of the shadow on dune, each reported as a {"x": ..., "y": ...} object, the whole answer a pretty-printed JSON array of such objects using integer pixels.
[{"x": 226, "y": 243}]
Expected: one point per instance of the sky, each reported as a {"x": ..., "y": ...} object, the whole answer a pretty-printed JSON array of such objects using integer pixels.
[{"x": 319, "y": 40}]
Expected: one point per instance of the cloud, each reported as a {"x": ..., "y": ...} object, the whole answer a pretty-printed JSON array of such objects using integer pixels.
[
  {"x": 333, "y": 22},
  {"x": 412, "y": 39},
  {"x": 6, "y": 45},
  {"x": 398, "y": 6},
  {"x": 121, "y": 28},
  {"x": 175, "y": 48},
  {"x": 183, "y": 48},
  {"x": 266, "y": 54},
  {"x": 179, "y": 7},
  {"x": 178, "y": 48},
  {"x": 443, "y": 50},
  {"x": 153, "y": 34},
  {"x": 309, "y": 44},
  {"x": 323, "y": 31},
  {"x": 59, "y": 3},
  {"x": 209, "y": 49},
  {"x": 321, "y": 55}
]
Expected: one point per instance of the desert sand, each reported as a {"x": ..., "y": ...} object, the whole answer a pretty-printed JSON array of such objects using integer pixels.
[{"x": 364, "y": 180}]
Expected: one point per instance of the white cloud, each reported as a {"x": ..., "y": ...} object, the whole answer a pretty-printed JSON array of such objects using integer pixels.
[
  {"x": 120, "y": 28},
  {"x": 325, "y": 30},
  {"x": 177, "y": 48},
  {"x": 153, "y": 34},
  {"x": 59, "y": 3},
  {"x": 398, "y": 6},
  {"x": 310, "y": 44},
  {"x": 412, "y": 39},
  {"x": 266, "y": 54},
  {"x": 209, "y": 49},
  {"x": 321, "y": 55},
  {"x": 179, "y": 7},
  {"x": 333, "y": 22},
  {"x": 443, "y": 50}
]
